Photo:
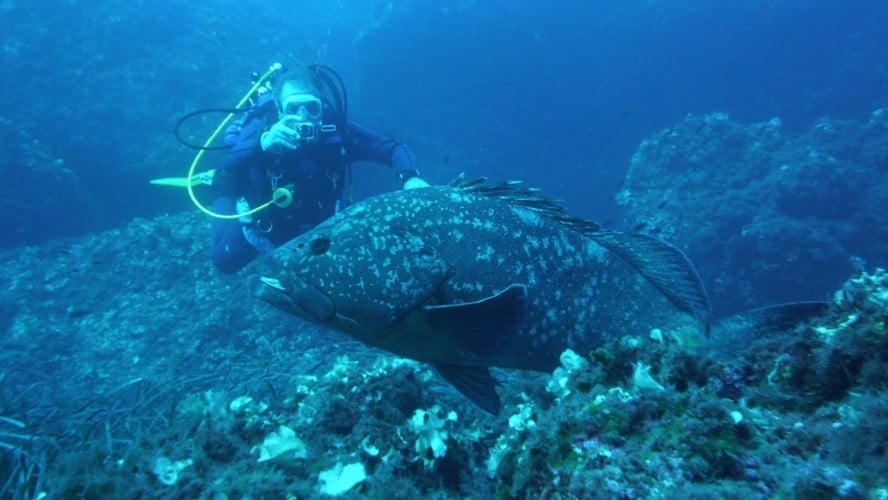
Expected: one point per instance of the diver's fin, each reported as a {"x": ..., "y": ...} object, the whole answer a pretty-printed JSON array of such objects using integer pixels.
[
  {"x": 732, "y": 332},
  {"x": 663, "y": 265},
  {"x": 196, "y": 179},
  {"x": 475, "y": 383},
  {"x": 482, "y": 328}
]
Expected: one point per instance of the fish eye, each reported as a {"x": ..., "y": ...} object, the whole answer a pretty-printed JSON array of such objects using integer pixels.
[{"x": 319, "y": 246}]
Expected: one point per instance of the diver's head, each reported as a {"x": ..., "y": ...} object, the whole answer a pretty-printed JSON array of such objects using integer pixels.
[{"x": 299, "y": 103}]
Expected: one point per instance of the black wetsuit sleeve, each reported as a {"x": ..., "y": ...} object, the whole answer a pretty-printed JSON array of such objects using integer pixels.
[
  {"x": 367, "y": 145},
  {"x": 246, "y": 151},
  {"x": 245, "y": 154}
]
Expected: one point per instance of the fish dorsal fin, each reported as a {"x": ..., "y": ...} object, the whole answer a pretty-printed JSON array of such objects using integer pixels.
[{"x": 527, "y": 197}]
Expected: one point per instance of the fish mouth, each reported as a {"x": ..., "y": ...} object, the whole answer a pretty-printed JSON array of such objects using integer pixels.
[{"x": 300, "y": 297}]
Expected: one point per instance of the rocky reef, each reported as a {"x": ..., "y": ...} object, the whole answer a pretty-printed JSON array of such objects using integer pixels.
[
  {"x": 766, "y": 217},
  {"x": 38, "y": 191},
  {"x": 132, "y": 369}
]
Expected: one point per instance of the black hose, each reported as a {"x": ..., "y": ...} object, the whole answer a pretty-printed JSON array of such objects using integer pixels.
[
  {"x": 202, "y": 112},
  {"x": 336, "y": 85}
]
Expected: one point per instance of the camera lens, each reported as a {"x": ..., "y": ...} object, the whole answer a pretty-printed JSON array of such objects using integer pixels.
[{"x": 306, "y": 131}]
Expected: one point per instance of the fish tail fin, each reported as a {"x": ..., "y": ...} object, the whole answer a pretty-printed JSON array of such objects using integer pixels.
[
  {"x": 664, "y": 266},
  {"x": 739, "y": 329}
]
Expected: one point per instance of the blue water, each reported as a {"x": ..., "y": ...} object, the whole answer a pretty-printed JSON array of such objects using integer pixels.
[
  {"x": 562, "y": 93},
  {"x": 559, "y": 94}
]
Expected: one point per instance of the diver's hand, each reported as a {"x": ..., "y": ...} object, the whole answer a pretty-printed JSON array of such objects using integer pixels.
[
  {"x": 279, "y": 138},
  {"x": 415, "y": 183},
  {"x": 409, "y": 178}
]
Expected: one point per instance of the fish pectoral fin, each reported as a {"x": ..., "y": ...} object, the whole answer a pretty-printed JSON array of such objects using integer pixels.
[
  {"x": 475, "y": 383},
  {"x": 484, "y": 328}
]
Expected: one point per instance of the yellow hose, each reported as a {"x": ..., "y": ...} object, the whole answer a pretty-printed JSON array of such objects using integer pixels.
[{"x": 268, "y": 74}]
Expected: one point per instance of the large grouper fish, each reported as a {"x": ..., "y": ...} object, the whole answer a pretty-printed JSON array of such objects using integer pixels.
[{"x": 474, "y": 275}]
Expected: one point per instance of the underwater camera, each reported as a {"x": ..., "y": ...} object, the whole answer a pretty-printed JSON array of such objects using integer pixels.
[{"x": 307, "y": 131}]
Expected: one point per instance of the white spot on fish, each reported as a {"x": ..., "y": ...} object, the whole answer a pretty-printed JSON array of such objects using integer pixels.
[
  {"x": 519, "y": 268},
  {"x": 552, "y": 314},
  {"x": 414, "y": 244},
  {"x": 596, "y": 251},
  {"x": 458, "y": 197},
  {"x": 527, "y": 216},
  {"x": 485, "y": 253}
]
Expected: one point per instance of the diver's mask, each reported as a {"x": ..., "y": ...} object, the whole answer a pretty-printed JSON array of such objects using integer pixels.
[{"x": 303, "y": 113}]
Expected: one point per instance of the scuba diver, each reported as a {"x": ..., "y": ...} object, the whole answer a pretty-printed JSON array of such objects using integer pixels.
[{"x": 293, "y": 146}]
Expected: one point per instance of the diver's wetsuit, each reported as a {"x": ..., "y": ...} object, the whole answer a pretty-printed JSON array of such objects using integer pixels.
[{"x": 316, "y": 173}]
